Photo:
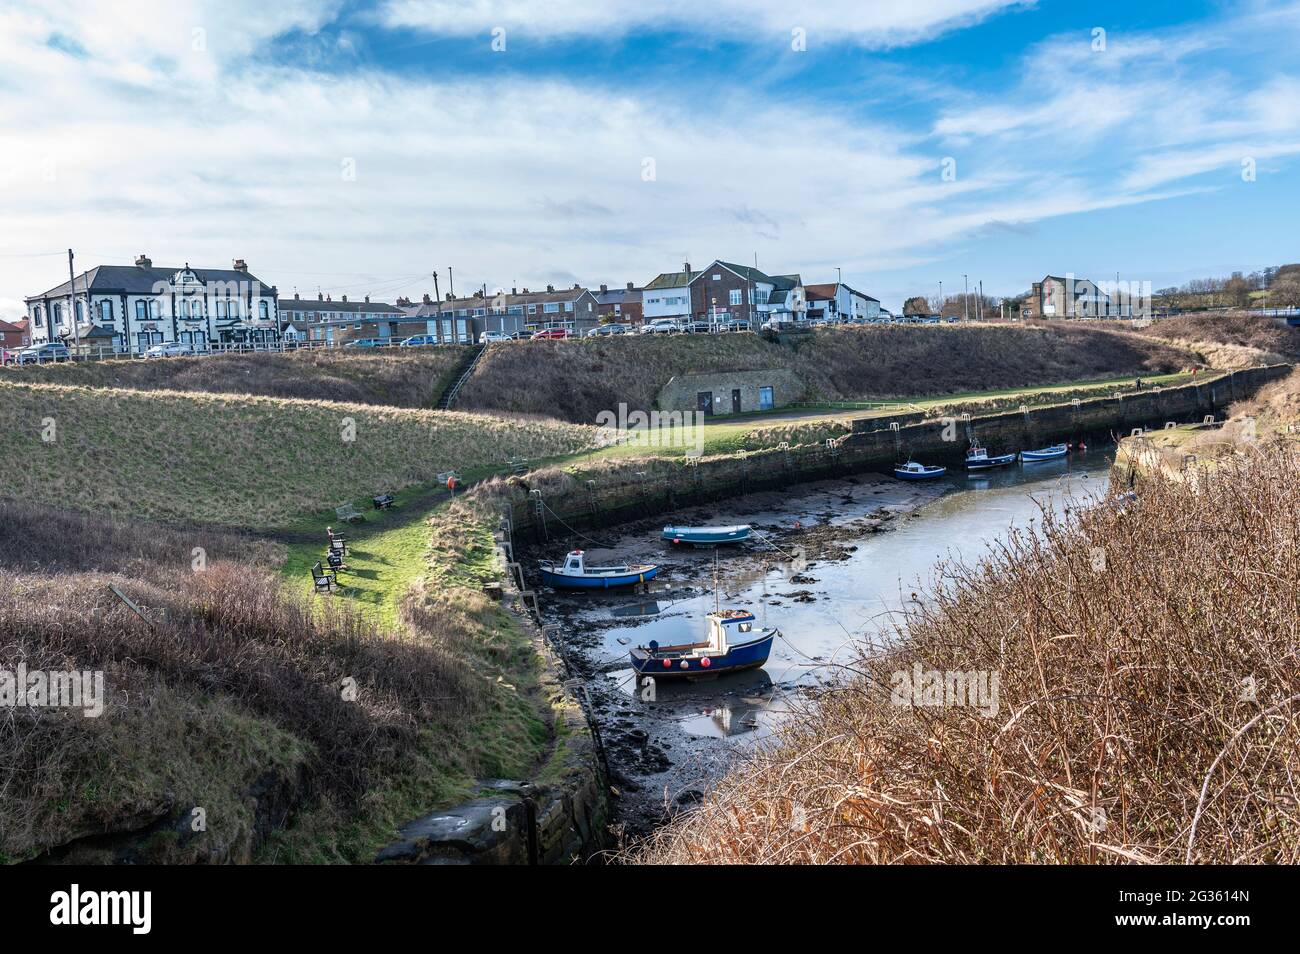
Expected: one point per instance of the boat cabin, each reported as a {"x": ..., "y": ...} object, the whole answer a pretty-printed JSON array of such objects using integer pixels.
[
  {"x": 726, "y": 624},
  {"x": 573, "y": 563}
]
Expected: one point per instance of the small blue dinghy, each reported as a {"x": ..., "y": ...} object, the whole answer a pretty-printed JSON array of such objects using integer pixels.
[
  {"x": 1055, "y": 452},
  {"x": 707, "y": 536},
  {"x": 978, "y": 458},
  {"x": 732, "y": 646},
  {"x": 914, "y": 471},
  {"x": 574, "y": 574}
]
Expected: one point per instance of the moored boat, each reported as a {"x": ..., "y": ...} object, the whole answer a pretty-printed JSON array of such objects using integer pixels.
[
  {"x": 1055, "y": 452},
  {"x": 574, "y": 574},
  {"x": 732, "y": 645},
  {"x": 914, "y": 471},
  {"x": 707, "y": 536},
  {"x": 978, "y": 458}
]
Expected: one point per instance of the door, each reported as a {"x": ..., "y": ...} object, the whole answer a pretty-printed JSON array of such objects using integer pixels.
[
  {"x": 765, "y": 399},
  {"x": 735, "y": 400},
  {"x": 704, "y": 402}
]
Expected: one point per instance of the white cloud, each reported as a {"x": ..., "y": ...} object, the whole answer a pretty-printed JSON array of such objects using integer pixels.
[{"x": 872, "y": 24}]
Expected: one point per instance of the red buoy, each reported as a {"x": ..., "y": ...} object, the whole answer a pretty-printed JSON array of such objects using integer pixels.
[
  {"x": 668, "y": 664},
  {"x": 705, "y": 662}
]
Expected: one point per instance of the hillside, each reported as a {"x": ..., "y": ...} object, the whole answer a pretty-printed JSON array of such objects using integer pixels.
[
  {"x": 1230, "y": 340},
  {"x": 1145, "y": 708},
  {"x": 405, "y": 377},
  {"x": 239, "y": 461},
  {"x": 575, "y": 380}
]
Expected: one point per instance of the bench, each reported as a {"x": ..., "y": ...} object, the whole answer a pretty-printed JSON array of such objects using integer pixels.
[
  {"x": 335, "y": 559},
  {"x": 324, "y": 580},
  {"x": 337, "y": 542},
  {"x": 349, "y": 514},
  {"x": 382, "y": 501}
]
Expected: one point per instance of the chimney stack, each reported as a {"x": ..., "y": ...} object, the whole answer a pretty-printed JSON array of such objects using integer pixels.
[
  {"x": 297, "y": 297},
  {"x": 144, "y": 261},
  {"x": 526, "y": 291},
  {"x": 631, "y": 286},
  {"x": 514, "y": 291},
  {"x": 603, "y": 288},
  {"x": 241, "y": 266},
  {"x": 320, "y": 296},
  {"x": 345, "y": 298},
  {"x": 686, "y": 267},
  {"x": 367, "y": 299},
  {"x": 449, "y": 298},
  {"x": 550, "y": 288}
]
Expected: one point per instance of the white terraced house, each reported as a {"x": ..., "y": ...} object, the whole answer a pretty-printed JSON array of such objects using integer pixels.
[{"x": 126, "y": 309}]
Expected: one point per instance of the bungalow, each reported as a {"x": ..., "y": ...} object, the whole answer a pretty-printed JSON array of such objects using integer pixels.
[
  {"x": 837, "y": 301},
  {"x": 335, "y": 322},
  {"x": 127, "y": 309}
]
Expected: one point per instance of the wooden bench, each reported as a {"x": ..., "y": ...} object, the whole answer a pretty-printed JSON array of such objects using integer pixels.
[
  {"x": 349, "y": 514},
  {"x": 325, "y": 580},
  {"x": 382, "y": 501},
  {"x": 335, "y": 559},
  {"x": 337, "y": 541}
]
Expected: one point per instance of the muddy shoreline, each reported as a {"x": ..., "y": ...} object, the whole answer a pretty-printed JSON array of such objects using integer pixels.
[{"x": 663, "y": 752}]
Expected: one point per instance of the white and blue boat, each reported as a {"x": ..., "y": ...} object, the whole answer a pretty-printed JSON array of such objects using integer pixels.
[
  {"x": 732, "y": 645},
  {"x": 574, "y": 574},
  {"x": 914, "y": 471},
  {"x": 978, "y": 458},
  {"x": 1055, "y": 452},
  {"x": 707, "y": 536}
]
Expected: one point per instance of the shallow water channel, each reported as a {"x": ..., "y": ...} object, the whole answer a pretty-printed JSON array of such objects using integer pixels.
[{"x": 829, "y": 563}]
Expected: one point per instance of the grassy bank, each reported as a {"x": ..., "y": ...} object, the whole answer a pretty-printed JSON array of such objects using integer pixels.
[
  {"x": 240, "y": 461},
  {"x": 1146, "y": 708},
  {"x": 575, "y": 380},
  {"x": 407, "y": 377},
  {"x": 300, "y": 729},
  {"x": 1233, "y": 340}
]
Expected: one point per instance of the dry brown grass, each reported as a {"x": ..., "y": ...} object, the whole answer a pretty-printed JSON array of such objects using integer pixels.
[
  {"x": 1231, "y": 340},
  {"x": 575, "y": 380},
  {"x": 409, "y": 377},
  {"x": 1127, "y": 638}
]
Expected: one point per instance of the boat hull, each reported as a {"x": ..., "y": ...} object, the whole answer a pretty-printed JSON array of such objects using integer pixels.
[
  {"x": 930, "y": 473},
  {"x": 706, "y": 536},
  {"x": 988, "y": 463},
  {"x": 594, "y": 581},
  {"x": 749, "y": 655},
  {"x": 1046, "y": 453}
]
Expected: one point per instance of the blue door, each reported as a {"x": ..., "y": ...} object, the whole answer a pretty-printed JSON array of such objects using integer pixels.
[{"x": 765, "y": 399}]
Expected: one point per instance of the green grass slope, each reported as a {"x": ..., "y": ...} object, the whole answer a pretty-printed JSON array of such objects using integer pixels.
[{"x": 235, "y": 460}]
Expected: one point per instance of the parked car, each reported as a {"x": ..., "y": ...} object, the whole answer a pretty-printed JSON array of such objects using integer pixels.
[
  {"x": 40, "y": 353},
  {"x": 419, "y": 341},
  {"x": 489, "y": 336},
  {"x": 601, "y": 331},
  {"x": 734, "y": 324},
  {"x": 661, "y": 326},
  {"x": 8, "y": 357},
  {"x": 553, "y": 333},
  {"x": 168, "y": 349},
  {"x": 700, "y": 327},
  {"x": 366, "y": 343}
]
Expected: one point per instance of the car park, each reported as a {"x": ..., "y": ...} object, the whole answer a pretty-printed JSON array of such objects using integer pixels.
[
  {"x": 661, "y": 326},
  {"x": 40, "y": 353}
]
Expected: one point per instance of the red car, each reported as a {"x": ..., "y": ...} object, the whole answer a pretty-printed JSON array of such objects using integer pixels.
[{"x": 553, "y": 333}]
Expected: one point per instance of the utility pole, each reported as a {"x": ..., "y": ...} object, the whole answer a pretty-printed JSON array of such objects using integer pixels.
[
  {"x": 979, "y": 302},
  {"x": 451, "y": 283},
  {"x": 965, "y": 299},
  {"x": 72, "y": 302},
  {"x": 941, "y": 298}
]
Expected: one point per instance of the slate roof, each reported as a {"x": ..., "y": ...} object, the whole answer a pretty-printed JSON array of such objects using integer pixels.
[
  {"x": 138, "y": 280},
  {"x": 296, "y": 305},
  {"x": 672, "y": 280}
]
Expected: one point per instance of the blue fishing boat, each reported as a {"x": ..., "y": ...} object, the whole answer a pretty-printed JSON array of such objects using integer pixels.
[
  {"x": 574, "y": 574},
  {"x": 732, "y": 645},
  {"x": 707, "y": 536},
  {"x": 1055, "y": 452},
  {"x": 978, "y": 458},
  {"x": 914, "y": 471}
]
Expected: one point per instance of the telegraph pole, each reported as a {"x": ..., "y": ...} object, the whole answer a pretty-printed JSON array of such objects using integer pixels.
[
  {"x": 941, "y": 297},
  {"x": 451, "y": 283},
  {"x": 965, "y": 299},
  {"x": 979, "y": 302},
  {"x": 72, "y": 302}
]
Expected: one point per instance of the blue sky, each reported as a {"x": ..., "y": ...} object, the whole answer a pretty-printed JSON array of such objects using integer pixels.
[{"x": 355, "y": 147}]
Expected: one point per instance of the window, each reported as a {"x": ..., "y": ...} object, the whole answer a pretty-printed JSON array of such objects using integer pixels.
[
  {"x": 58, "y": 313},
  {"x": 736, "y": 296},
  {"x": 81, "y": 316},
  {"x": 551, "y": 307},
  {"x": 106, "y": 312},
  {"x": 532, "y": 309},
  {"x": 717, "y": 278},
  {"x": 37, "y": 317},
  {"x": 141, "y": 310},
  {"x": 760, "y": 296},
  {"x": 264, "y": 310},
  {"x": 568, "y": 306}
]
